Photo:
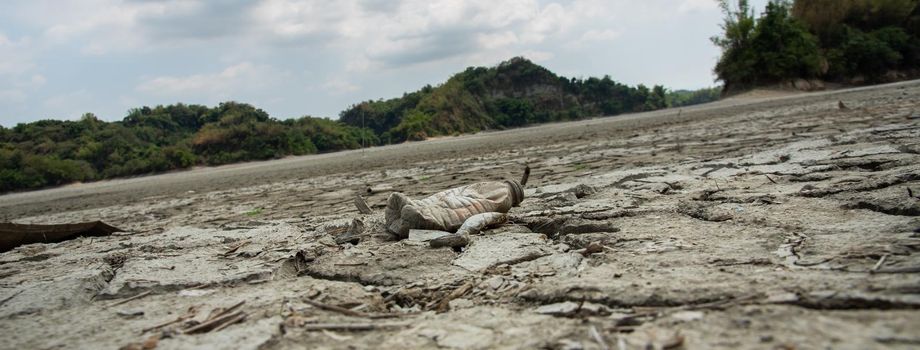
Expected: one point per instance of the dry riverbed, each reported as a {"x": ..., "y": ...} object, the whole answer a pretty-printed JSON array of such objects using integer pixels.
[{"x": 786, "y": 222}]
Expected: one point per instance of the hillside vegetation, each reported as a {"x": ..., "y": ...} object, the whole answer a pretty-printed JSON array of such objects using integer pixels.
[
  {"x": 162, "y": 138},
  {"x": 148, "y": 140},
  {"x": 515, "y": 93},
  {"x": 847, "y": 41}
]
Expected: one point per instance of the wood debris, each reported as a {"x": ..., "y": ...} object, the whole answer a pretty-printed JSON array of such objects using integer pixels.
[
  {"x": 361, "y": 204},
  {"x": 141, "y": 295},
  {"x": 353, "y": 326}
]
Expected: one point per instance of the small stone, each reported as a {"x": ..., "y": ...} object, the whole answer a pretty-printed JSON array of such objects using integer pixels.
[
  {"x": 569, "y": 308},
  {"x": 327, "y": 241},
  {"x": 353, "y": 235},
  {"x": 563, "y": 308},
  {"x": 808, "y": 188},
  {"x": 687, "y": 316},
  {"x": 568, "y": 344},
  {"x": 461, "y": 303},
  {"x": 495, "y": 282},
  {"x": 766, "y": 338},
  {"x": 462, "y": 336},
  {"x": 583, "y": 190},
  {"x": 503, "y": 248},
  {"x": 577, "y": 226}
]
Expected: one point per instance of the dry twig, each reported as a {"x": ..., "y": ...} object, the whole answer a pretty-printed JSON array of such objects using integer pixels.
[
  {"x": 218, "y": 322},
  {"x": 361, "y": 204},
  {"x": 598, "y": 338},
  {"x": 235, "y": 248},
  {"x": 231, "y": 321},
  {"x": 352, "y": 326},
  {"x": 338, "y": 309},
  {"x": 444, "y": 304},
  {"x": 353, "y": 313},
  {"x": 141, "y": 295},
  {"x": 881, "y": 261},
  {"x": 227, "y": 310},
  {"x": 770, "y": 178}
]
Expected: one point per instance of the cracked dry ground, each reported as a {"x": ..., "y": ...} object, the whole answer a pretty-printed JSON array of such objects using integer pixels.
[{"x": 787, "y": 223}]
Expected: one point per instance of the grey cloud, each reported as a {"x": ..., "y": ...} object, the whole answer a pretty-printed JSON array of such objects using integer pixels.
[
  {"x": 380, "y": 6},
  {"x": 430, "y": 47},
  {"x": 213, "y": 19}
]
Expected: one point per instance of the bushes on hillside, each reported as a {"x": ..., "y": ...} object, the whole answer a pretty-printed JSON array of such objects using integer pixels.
[
  {"x": 771, "y": 49},
  {"x": 838, "y": 40},
  {"x": 149, "y": 140},
  {"x": 514, "y": 93}
]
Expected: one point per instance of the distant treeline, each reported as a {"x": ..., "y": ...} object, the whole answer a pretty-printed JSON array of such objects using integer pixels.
[
  {"x": 849, "y": 41},
  {"x": 150, "y": 140}
]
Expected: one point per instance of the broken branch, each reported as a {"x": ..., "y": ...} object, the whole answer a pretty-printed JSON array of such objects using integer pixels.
[
  {"x": 231, "y": 321},
  {"x": 141, "y": 295},
  {"x": 769, "y": 178},
  {"x": 352, "y": 326},
  {"x": 879, "y": 264},
  {"x": 338, "y": 309},
  {"x": 213, "y": 323},
  {"x": 228, "y": 310},
  {"x": 598, "y": 338},
  {"x": 235, "y": 248},
  {"x": 361, "y": 204}
]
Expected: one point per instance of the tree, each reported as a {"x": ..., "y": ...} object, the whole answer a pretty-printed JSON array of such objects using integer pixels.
[
  {"x": 738, "y": 59},
  {"x": 770, "y": 49},
  {"x": 785, "y": 49}
]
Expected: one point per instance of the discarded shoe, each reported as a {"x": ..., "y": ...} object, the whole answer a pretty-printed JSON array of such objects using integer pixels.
[{"x": 450, "y": 209}]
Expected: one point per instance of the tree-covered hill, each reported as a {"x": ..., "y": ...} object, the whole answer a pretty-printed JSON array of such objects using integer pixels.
[
  {"x": 514, "y": 93},
  {"x": 149, "y": 140},
  {"x": 162, "y": 138}
]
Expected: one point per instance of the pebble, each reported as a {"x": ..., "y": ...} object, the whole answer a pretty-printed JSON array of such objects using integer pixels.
[
  {"x": 688, "y": 316},
  {"x": 496, "y": 282}
]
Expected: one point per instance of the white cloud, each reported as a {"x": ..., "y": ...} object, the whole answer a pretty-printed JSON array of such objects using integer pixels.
[
  {"x": 244, "y": 77},
  {"x": 697, "y": 5},
  {"x": 37, "y": 80},
  {"x": 593, "y": 37},
  {"x": 15, "y": 56},
  {"x": 287, "y": 20},
  {"x": 98, "y": 26},
  {"x": 68, "y": 105},
  {"x": 340, "y": 86},
  {"x": 538, "y": 56},
  {"x": 18, "y": 79},
  {"x": 497, "y": 40},
  {"x": 600, "y": 35},
  {"x": 12, "y": 96}
]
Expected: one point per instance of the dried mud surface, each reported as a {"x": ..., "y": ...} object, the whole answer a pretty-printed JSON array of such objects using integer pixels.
[{"x": 773, "y": 223}]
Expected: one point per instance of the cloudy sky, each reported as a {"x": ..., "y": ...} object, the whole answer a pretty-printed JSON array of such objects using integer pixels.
[{"x": 59, "y": 59}]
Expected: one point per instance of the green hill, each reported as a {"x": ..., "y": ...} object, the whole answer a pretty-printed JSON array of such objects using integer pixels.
[{"x": 514, "y": 93}]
